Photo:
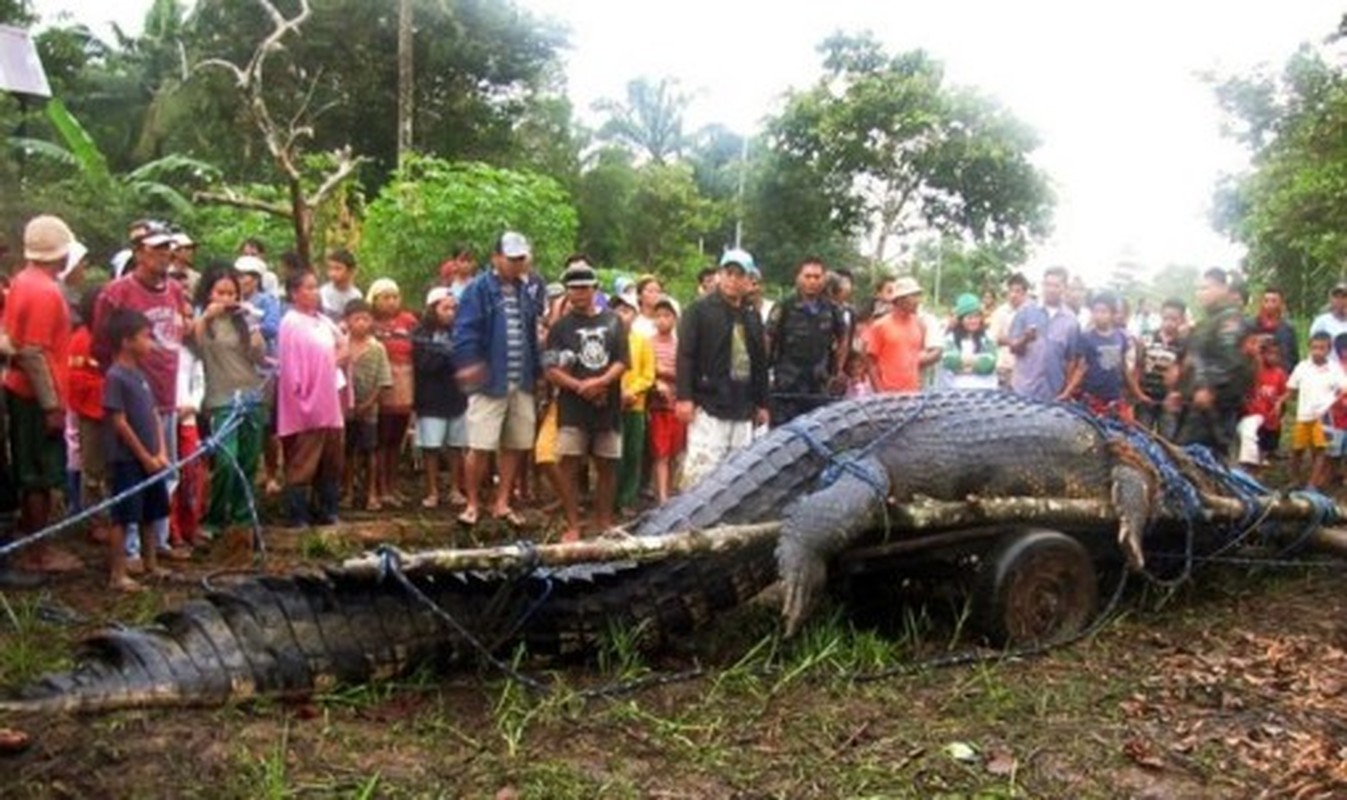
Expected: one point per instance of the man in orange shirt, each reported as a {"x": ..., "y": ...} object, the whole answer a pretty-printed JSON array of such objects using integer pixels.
[
  {"x": 37, "y": 320},
  {"x": 896, "y": 343}
]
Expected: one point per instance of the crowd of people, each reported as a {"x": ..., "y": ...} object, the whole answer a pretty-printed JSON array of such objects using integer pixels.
[{"x": 509, "y": 388}]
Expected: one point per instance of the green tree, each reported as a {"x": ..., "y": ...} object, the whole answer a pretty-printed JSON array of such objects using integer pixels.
[
  {"x": 667, "y": 217},
  {"x": 604, "y": 201},
  {"x": 880, "y": 147},
  {"x": 431, "y": 204},
  {"x": 650, "y": 121},
  {"x": 1288, "y": 209}
]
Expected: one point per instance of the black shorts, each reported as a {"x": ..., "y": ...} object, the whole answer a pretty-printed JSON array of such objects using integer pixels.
[
  {"x": 1268, "y": 441},
  {"x": 393, "y": 429},
  {"x": 361, "y": 436},
  {"x": 143, "y": 507}
]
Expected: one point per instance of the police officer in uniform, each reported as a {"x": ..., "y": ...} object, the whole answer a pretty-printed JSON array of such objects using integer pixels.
[
  {"x": 806, "y": 345},
  {"x": 1217, "y": 372}
]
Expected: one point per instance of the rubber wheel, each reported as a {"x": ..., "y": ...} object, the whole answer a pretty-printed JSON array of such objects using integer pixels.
[{"x": 1035, "y": 587}]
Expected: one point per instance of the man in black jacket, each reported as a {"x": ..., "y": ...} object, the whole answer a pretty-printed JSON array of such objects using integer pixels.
[{"x": 722, "y": 370}]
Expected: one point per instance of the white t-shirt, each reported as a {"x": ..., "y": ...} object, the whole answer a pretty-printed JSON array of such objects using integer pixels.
[
  {"x": 1328, "y": 323},
  {"x": 333, "y": 300},
  {"x": 998, "y": 328},
  {"x": 1317, "y": 385}
]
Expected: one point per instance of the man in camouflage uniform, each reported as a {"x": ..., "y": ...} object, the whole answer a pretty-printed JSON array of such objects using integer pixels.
[
  {"x": 1217, "y": 372},
  {"x": 806, "y": 345}
]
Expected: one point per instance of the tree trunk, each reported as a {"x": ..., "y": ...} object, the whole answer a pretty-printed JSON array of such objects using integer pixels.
[
  {"x": 405, "y": 78},
  {"x": 302, "y": 216}
]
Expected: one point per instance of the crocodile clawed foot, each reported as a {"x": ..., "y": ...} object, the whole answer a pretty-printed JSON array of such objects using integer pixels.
[{"x": 804, "y": 580}]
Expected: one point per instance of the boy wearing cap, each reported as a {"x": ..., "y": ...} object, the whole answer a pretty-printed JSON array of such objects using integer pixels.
[
  {"x": 37, "y": 321},
  {"x": 496, "y": 353},
  {"x": 586, "y": 356},
  {"x": 721, "y": 370}
]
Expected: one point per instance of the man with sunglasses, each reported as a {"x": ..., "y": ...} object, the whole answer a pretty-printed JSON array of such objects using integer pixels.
[{"x": 147, "y": 288}]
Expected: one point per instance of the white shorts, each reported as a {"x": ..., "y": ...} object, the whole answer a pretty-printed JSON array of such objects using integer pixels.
[
  {"x": 508, "y": 422},
  {"x": 1249, "y": 451},
  {"x": 434, "y": 433},
  {"x": 710, "y": 440}
]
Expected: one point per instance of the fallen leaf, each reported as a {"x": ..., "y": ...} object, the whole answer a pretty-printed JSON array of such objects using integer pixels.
[
  {"x": 1142, "y": 754},
  {"x": 1001, "y": 763}
]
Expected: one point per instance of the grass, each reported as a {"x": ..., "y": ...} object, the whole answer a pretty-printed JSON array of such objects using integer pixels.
[{"x": 770, "y": 718}]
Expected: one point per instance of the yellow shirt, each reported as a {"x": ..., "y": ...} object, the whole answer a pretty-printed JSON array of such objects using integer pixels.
[{"x": 639, "y": 378}]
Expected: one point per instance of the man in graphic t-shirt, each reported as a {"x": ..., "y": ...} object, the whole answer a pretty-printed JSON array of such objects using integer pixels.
[{"x": 585, "y": 357}]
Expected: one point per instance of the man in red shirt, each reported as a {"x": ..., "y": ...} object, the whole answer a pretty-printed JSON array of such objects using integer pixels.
[
  {"x": 146, "y": 288},
  {"x": 896, "y": 344},
  {"x": 37, "y": 320}
]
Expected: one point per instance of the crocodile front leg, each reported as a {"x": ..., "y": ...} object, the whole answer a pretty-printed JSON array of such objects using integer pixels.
[{"x": 821, "y": 525}]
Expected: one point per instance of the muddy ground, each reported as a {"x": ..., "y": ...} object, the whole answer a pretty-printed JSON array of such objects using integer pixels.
[{"x": 1234, "y": 686}]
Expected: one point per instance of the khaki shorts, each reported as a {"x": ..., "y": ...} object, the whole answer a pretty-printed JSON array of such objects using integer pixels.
[
  {"x": 580, "y": 442},
  {"x": 507, "y": 422}
]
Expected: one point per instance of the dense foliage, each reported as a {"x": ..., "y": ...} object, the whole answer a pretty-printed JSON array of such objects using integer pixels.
[{"x": 879, "y": 153}]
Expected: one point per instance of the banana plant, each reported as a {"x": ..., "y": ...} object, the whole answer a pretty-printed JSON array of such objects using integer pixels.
[{"x": 82, "y": 154}]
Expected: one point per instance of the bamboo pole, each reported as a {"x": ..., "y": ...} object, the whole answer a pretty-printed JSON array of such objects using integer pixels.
[
  {"x": 606, "y": 548},
  {"x": 921, "y": 516}
]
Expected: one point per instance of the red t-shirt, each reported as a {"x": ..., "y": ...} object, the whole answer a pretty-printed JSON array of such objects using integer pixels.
[
  {"x": 396, "y": 335},
  {"x": 895, "y": 344},
  {"x": 1269, "y": 386},
  {"x": 86, "y": 377},
  {"x": 36, "y": 315},
  {"x": 163, "y": 306}
]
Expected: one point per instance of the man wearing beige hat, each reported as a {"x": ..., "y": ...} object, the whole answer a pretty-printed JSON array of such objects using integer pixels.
[
  {"x": 897, "y": 343},
  {"x": 37, "y": 320}
]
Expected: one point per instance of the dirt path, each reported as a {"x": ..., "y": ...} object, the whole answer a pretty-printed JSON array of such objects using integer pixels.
[{"x": 1235, "y": 687}]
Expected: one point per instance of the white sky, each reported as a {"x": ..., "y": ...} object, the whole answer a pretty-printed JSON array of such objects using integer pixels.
[{"x": 1130, "y": 133}]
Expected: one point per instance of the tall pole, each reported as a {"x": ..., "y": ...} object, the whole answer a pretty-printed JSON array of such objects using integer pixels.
[
  {"x": 405, "y": 77},
  {"x": 739, "y": 215}
]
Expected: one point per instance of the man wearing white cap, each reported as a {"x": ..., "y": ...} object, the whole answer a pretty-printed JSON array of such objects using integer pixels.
[
  {"x": 37, "y": 320},
  {"x": 496, "y": 352},
  {"x": 721, "y": 374},
  {"x": 147, "y": 288}
]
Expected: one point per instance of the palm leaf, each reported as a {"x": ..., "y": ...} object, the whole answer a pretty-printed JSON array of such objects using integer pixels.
[
  {"x": 45, "y": 149},
  {"x": 174, "y": 165},
  {"x": 166, "y": 194},
  {"x": 88, "y": 157}
]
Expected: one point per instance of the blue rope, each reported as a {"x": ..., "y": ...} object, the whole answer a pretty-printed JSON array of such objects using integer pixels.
[{"x": 212, "y": 444}]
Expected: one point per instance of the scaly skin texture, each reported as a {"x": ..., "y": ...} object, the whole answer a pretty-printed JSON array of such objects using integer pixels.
[
  {"x": 953, "y": 446},
  {"x": 292, "y": 636}
]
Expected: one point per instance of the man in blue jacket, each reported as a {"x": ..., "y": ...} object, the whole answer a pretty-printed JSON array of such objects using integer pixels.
[{"x": 496, "y": 350}]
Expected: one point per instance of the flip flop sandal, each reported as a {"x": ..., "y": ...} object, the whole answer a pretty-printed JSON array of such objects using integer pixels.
[
  {"x": 468, "y": 517},
  {"x": 512, "y": 518}
]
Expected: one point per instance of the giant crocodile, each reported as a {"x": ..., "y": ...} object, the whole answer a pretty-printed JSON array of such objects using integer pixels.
[{"x": 826, "y": 474}]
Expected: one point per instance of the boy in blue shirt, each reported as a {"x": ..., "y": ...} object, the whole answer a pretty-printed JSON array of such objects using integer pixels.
[
  {"x": 135, "y": 445},
  {"x": 1101, "y": 380}
]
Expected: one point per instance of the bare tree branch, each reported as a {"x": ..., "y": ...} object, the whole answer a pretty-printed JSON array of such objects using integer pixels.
[
  {"x": 346, "y": 165},
  {"x": 239, "y": 201}
]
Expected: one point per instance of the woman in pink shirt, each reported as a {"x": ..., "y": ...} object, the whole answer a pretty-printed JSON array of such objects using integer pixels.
[{"x": 309, "y": 403}]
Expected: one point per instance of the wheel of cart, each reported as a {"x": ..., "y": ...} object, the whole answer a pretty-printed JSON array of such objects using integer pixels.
[{"x": 1035, "y": 586}]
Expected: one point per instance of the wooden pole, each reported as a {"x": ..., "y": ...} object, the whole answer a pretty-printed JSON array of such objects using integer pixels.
[{"x": 932, "y": 521}]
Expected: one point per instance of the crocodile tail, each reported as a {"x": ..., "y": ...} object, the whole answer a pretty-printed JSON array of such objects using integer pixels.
[{"x": 268, "y": 636}]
